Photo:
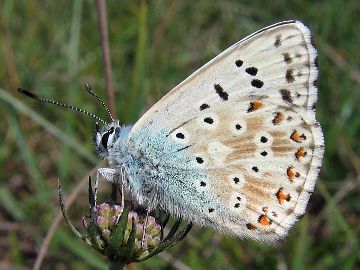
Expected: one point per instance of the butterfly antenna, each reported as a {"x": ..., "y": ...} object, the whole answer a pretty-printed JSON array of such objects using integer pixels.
[
  {"x": 91, "y": 92},
  {"x": 46, "y": 100}
]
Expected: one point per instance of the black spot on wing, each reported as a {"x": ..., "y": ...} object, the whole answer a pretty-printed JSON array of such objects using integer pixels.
[
  {"x": 289, "y": 76},
  {"x": 204, "y": 106},
  {"x": 180, "y": 135},
  {"x": 220, "y": 91},
  {"x": 199, "y": 160},
  {"x": 257, "y": 83},
  {"x": 239, "y": 63},
  {"x": 287, "y": 58},
  {"x": 251, "y": 71},
  {"x": 208, "y": 120},
  {"x": 286, "y": 95},
  {"x": 277, "y": 42}
]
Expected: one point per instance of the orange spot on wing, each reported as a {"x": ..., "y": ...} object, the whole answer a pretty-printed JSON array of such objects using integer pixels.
[
  {"x": 255, "y": 105},
  {"x": 297, "y": 137},
  {"x": 282, "y": 196},
  {"x": 278, "y": 118},
  {"x": 291, "y": 173},
  {"x": 300, "y": 153},
  {"x": 264, "y": 220}
]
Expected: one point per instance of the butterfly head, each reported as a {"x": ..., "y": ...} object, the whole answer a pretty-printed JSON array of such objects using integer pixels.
[{"x": 110, "y": 136}]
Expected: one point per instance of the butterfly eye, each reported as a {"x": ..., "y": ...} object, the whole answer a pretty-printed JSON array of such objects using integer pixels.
[{"x": 105, "y": 137}]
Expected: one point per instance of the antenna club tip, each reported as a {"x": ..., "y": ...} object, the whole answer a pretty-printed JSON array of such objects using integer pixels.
[{"x": 27, "y": 93}]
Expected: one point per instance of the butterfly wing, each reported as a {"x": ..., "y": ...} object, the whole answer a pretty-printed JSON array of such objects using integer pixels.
[{"x": 239, "y": 148}]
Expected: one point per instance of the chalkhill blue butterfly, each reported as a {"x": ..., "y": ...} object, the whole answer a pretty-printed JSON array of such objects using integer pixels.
[{"x": 235, "y": 146}]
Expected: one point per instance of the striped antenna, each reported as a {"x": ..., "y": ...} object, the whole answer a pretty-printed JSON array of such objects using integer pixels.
[
  {"x": 46, "y": 100},
  {"x": 91, "y": 92}
]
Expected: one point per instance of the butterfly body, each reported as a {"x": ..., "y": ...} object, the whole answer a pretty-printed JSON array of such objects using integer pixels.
[{"x": 235, "y": 146}]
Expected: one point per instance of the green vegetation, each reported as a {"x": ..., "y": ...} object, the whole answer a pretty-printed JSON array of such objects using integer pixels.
[{"x": 52, "y": 48}]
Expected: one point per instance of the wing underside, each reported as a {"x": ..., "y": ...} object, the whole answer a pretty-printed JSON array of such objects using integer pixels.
[{"x": 246, "y": 120}]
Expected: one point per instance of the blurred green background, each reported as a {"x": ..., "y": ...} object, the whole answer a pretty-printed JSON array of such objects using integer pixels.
[{"x": 52, "y": 48}]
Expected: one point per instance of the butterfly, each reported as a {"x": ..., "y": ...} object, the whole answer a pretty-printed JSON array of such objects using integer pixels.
[{"x": 235, "y": 146}]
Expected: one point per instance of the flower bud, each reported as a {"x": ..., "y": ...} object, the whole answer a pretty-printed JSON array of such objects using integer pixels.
[
  {"x": 118, "y": 233},
  {"x": 106, "y": 219}
]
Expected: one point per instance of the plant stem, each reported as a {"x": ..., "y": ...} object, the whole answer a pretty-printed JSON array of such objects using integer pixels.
[{"x": 105, "y": 49}]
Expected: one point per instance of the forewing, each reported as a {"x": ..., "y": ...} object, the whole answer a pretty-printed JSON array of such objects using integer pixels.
[{"x": 247, "y": 118}]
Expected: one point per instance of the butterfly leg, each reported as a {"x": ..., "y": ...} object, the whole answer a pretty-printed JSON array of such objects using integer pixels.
[
  {"x": 120, "y": 189},
  {"x": 123, "y": 178},
  {"x": 144, "y": 229},
  {"x": 150, "y": 206},
  {"x": 107, "y": 173}
]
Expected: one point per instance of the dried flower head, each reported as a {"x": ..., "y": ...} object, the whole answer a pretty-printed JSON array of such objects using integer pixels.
[{"x": 122, "y": 234}]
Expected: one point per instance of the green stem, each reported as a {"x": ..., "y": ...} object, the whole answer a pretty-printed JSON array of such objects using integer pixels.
[{"x": 116, "y": 265}]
